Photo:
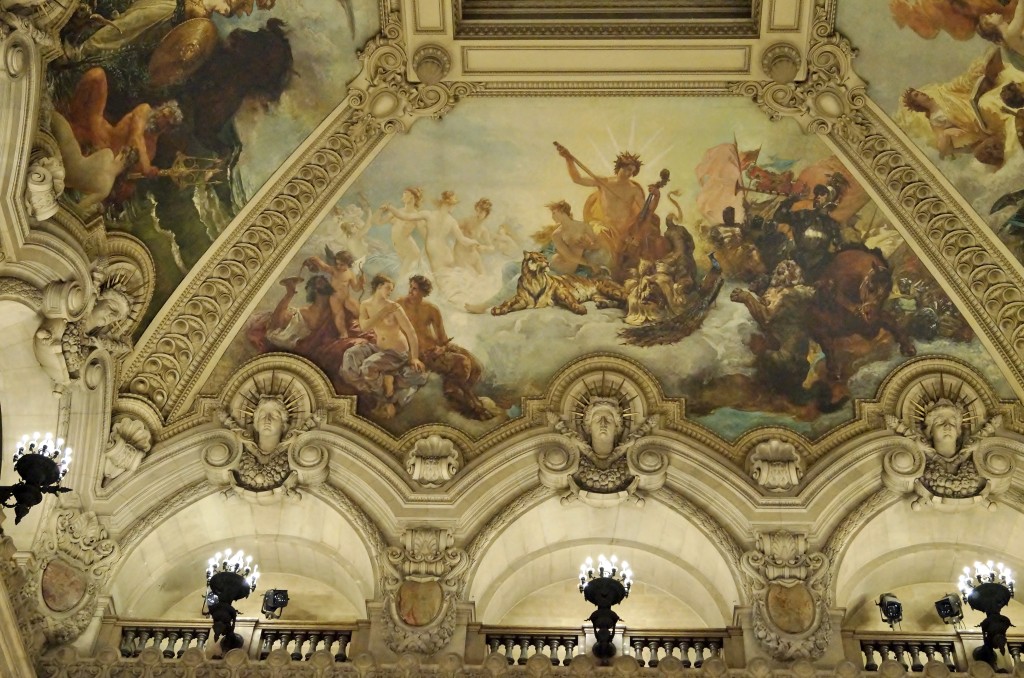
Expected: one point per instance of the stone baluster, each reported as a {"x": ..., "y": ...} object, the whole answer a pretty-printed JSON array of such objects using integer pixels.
[
  {"x": 684, "y": 653},
  {"x": 186, "y": 641},
  {"x": 653, "y": 646},
  {"x": 314, "y": 641},
  {"x": 172, "y": 642},
  {"x": 946, "y": 650},
  {"x": 143, "y": 641},
  {"x": 524, "y": 650},
  {"x": 900, "y": 651},
  {"x": 869, "y": 656},
  {"x": 509, "y": 647},
  {"x": 915, "y": 657},
  {"x": 638, "y": 651},
  {"x": 343, "y": 640},
  {"x": 570, "y": 647},
  {"x": 698, "y": 653},
  {"x": 267, "y": 640},
  {"x": 715, "y": 647},
  {"x": 202, "y": 635},
  {"x": 300, "y": 640},
  {"x": 128, "y": 642}
]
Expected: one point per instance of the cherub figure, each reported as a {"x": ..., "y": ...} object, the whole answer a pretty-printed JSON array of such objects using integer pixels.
[
  {"x": 266, "y": 443},
  {"x": 63, "y": 346}
]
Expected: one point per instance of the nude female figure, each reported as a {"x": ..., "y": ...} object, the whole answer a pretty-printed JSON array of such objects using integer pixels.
[
  {"x": 401, "y": 229},
  {"x": 440, "y": 226}
]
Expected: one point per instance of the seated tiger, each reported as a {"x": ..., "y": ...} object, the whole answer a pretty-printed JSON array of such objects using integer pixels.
[{"x": 538, "y": 288}]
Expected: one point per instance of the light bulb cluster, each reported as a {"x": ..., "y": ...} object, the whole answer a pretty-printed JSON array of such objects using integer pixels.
[
  {"x": 45, "y": 445},
  {"x": 238, "y": 563},
  {"x": 985, "y": 573},
  {"x": 606, "y": 567}
]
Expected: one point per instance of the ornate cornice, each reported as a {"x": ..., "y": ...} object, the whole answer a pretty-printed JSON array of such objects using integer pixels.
[{"x": 184, "y": 340}]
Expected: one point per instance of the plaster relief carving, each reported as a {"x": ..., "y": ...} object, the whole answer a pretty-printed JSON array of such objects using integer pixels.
[
  {"x": 68, "y": 336},
  {"x": 68, "y": 573},
  {"x": 787, "y": 586},
  {"x": 432, "y": 461},
  {"x": 601, "y": 461},
  {"x": 950, "y": 453},
  {"x": 127, "y": 445},
  {"x": 775, "y": 465},
  {"x": 422, "y": 583},
  {"x": 268, "y": 413},
  {"x": 44, "y": 186},
  {"x": 828, "y": 97}
]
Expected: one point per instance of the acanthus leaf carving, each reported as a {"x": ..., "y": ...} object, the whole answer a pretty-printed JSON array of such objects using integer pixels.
[
  {"x": 129, "y": 442},
  {"x": 775, "y": 465}
]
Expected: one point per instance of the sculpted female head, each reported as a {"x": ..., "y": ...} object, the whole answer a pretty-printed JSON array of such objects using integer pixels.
[
  {"x": 602, "y": 421},
  {"x": 269, "y": 421},
  {"x": 942, "y": 426}
]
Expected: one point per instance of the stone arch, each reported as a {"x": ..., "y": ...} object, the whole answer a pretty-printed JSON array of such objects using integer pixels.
[{"x": 539, "y": 550}]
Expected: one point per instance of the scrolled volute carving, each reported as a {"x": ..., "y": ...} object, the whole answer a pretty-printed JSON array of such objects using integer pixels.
[
  {"x": 831, "y": 93},
  {"x": 43, "y": 186},
  {"x": 948, "y": 451},
  {"x": 775, "y": 465},
  {"x": 599, "y": 458},
  {"x": 268, "y": 411},
  {"x": 787, "y": 586},
  {"x": 422, "y": 581},
  {"x": 433, "y": 460}
]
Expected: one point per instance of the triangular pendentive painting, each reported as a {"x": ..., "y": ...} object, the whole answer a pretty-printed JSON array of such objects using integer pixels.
[{"x": 735, "y": 258}]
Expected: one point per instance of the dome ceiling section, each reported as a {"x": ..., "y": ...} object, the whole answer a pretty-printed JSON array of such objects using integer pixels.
[
  {"x": 216, "y": 127},
  {"x": 961, "y": 100},
  {"x": 528, "y": 261}
]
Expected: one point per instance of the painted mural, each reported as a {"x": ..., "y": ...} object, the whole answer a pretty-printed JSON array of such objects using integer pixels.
[
  {"x": 170, "y": 115},
  {"x": 951, "y": 74},
  {"x": 735, "y": 258}
]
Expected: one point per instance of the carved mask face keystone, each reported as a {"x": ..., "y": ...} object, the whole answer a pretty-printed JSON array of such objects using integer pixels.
[
  {"x": 269, "y": 420},
  {"x": 603, "y": 426}
]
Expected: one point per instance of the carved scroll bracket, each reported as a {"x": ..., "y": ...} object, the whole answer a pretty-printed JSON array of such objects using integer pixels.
[{"x": 827, "y": 99}]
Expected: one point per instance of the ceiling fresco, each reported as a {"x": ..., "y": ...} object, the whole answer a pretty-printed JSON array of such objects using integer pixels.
[
  {"x": 742, "y": 265},
  {"x": 951, "y": 75},
  {"x": 171, "y": 116}
]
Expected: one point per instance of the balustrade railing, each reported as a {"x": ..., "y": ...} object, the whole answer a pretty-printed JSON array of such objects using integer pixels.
[
  {"x": 172, "y": 639},
  {"x": 302, "y": 641},
  {"x": 560, "y": 645},
  {"x": 912, "y": 651},
  {"x": 692, "y": 648},
  {"x": 519, "y": 644}
]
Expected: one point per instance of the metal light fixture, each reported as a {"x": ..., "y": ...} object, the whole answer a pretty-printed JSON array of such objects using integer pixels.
[
  {"x": 950, "y": 609},
  {"x": 229, "y": 577},
  {"x": 607, "y": 585},
  {"x": 890, "y": 608},
  {"x": 989, "y": 589},
  {"x": 42, "y": 463},
  {"x": 274, "y": 602}
]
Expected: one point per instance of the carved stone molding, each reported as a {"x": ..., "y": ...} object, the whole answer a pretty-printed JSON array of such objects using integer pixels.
[
  {"x": 268, "y": 407},
  {"x": 433, "y": 460},
  {"x": 44, "y": 186},
  {"x": 775, "y": 465},
  {"x": 830, "y": 94},
  {"x": 948, "y": 450},
  {"x": 787, "y": 586},
  {"x": 69, "y": 571},
  {"x": 423, "y": 581},
  {"x": 213, "y": 300}
]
